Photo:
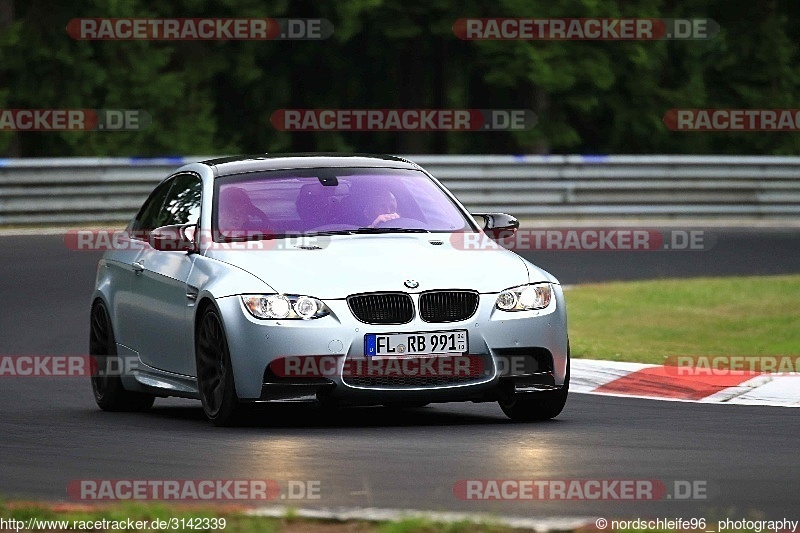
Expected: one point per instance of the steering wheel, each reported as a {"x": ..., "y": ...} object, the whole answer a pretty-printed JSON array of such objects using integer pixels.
[
  {"x": 402, "y": 222},
  {"x": 332, "y": 227}
]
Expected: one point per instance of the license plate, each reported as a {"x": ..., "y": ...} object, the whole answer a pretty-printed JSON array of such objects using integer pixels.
[{"x": 428, "y": 343}]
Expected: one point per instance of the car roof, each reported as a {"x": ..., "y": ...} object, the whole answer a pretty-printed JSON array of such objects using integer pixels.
[{"x": 225, "y": 166}]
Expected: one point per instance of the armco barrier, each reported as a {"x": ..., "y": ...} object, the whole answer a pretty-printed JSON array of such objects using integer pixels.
[{"x": 91, "y": 190}]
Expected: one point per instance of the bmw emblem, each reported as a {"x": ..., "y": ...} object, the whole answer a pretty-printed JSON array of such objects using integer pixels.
[{"x": 411, "y": 284}]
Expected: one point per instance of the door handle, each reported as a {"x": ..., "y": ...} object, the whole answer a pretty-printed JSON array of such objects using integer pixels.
[{"x": 138, "y": 266}]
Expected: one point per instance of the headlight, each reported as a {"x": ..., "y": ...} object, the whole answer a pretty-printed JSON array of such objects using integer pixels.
[
  {"x": 525, "y": 297},
  {"x": 278, "y": 306},
  {"x": 306, "y": 307}
]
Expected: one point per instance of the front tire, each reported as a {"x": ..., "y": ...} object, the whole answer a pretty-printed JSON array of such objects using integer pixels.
[
  {"x": 109, "y": 393},
  {"x": 215, "y": 372},
  {"x": 537, "y": 406}
]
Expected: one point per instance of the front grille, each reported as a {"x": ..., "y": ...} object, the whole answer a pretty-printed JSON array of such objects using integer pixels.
[
  {"x": 447, "y": 306},
  {"x": 382, "y": 308}
]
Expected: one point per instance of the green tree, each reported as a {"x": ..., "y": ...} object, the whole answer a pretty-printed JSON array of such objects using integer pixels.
[{"x": 216, "y": 97}]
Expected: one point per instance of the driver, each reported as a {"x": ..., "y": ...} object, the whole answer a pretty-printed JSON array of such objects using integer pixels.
[{"x": 381, "y": 207}]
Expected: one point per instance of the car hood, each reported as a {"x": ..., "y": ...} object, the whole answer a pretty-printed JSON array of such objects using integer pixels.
[{"x": 350, "y": 264}]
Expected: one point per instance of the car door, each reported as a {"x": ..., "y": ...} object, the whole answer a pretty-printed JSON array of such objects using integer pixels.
[
  {"x": 124, "y": 302},
  {"x": 163, "y": 299}
]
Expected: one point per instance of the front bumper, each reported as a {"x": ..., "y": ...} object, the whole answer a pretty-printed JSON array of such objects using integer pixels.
[{"x": 520, "y": 351}]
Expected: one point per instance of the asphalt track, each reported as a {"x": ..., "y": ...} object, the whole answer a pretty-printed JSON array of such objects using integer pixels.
[{"x": 52, "y": 433}]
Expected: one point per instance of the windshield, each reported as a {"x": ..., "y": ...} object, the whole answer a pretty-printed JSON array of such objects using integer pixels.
[{"x": 330, "y": 201}]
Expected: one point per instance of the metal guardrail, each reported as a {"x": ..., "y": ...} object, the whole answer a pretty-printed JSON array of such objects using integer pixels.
[{"x": 90, "y": 190}]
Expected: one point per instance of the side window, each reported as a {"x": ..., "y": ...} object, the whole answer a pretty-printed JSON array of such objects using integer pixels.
[
  {"x": 149, "y": 212},
  {"x": 182, "y": 205},
  {"x": 176, "y": 201}
]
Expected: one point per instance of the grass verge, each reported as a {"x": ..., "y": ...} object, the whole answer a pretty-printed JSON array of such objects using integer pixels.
[
  {"x": 83, "y": 517},
  {"x": 647, "y": 321}
]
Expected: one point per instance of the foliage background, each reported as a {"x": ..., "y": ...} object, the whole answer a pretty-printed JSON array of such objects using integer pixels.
[{"x": 217, "y": 97}]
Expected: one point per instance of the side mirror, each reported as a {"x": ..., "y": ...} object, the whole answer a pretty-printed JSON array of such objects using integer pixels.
[
  {"x": 175, "y": 238},
  {"x": 498, "y": 225},
  {"x": 498, "y": 221}
]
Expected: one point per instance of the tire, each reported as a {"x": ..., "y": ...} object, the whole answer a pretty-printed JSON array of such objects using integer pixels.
[
  {"x": 537, "y": 406},
  {"x": 214, "y": 372},
  {"x": 109, "y": 393}
]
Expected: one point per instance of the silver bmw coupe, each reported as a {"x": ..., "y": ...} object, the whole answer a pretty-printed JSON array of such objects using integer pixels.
[{"x": 327, "y": 278}]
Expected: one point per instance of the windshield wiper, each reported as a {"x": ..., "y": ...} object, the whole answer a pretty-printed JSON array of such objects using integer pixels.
[
  {"x": 366, "y": 230},
  {"x": 390, "y": 230},
  {"x": 329, "y": 232}
]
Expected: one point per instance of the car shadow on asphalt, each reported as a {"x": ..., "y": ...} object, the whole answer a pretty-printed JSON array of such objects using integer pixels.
[{"x": 301, "y": 416}]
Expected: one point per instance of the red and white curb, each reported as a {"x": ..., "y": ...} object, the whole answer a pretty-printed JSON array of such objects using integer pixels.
[{"x": 657, "y": 382}]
